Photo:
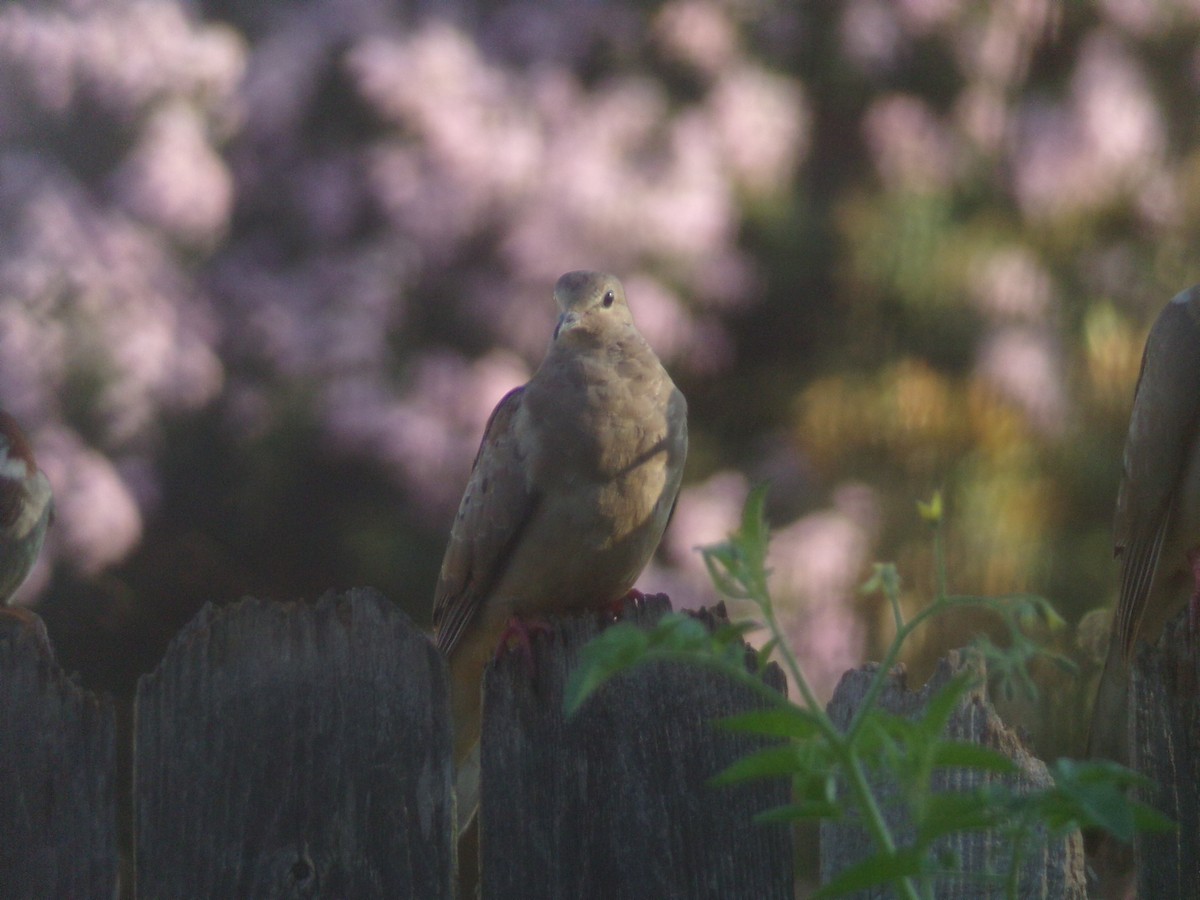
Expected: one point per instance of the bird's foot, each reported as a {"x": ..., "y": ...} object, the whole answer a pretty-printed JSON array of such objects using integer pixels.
[
  {"x": 21, "y": 617},
  {"x": 518, "y": 635},
  {"x": 1193, "y": 558},
  {"x": 616, "y": 609}
]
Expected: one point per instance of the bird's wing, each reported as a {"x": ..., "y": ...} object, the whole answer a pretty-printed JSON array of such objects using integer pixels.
[
  {"x": 1162, "y": 436},
  {"x": 496, "y": 506},
  {"x": 12, "y": 500}
]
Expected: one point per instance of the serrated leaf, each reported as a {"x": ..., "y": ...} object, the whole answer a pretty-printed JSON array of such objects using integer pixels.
[
  {"x": 972, "y": 756},
  {"x": 754, "y": 528},
  {"x": 612, "y": 651},
  {"x": 797, "y": 812},
  {"x": 884, "y": 579},
  {"x": 947, "y": 813},
  {"x": 1094, "y": 794},
  {"x": 773, "y": 762},
  {"x": 784, "y": 721},
  {"x": 875, "y": 870}
]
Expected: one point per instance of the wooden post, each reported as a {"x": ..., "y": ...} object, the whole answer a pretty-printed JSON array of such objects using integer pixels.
[
  {"x": 1053, "y": 868},
  {"x": 58, "y": 818},
  {"x": 295, "y": 750},
  {"x": 615, "y": 803},
  {"x": 1166, "y": 748}
]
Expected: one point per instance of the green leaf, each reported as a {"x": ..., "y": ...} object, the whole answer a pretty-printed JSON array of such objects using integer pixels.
[
  {"x": 679, "y": 632},
  {"x": 783, "y": 721},
  {"x": 932, "y": 511},
  {"x": 972, "y": 756},
  {"x": 884, "y": 579},
  {"x": 737, "y": 566},
  {"x": 944, "y": 702},
  {"x": 722, "y": 561},
  {"x": 764, "y": 654},
  {"x": 773, "y": 762},
  {"x": 1094, "y": 794},
  {"x": 798, "y": 812},
  {"x": 878, "y": 869},
  {"x": 951, "y": 812},
  {"x": 612, "y": 651}
]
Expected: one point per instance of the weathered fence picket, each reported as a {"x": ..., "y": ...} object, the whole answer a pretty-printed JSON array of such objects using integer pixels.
[
  {"x": 58, "y": 820},
  {"x": 615, "y": 802},
  {"x": 303, "y": 750},
  {"x": 1054, "y": 866},
  {"x": 1166, "y": 749},
  {"x": 286, "y": 750}
]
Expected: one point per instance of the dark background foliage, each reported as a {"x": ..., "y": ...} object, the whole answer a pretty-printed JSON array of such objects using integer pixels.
[{"x": 265, "y": 268}]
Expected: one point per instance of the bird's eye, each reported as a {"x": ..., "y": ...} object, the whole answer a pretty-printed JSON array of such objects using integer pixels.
[{"x": 609, "y": 297}]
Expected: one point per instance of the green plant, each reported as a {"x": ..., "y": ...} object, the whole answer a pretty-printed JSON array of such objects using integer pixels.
[{"x": 831, "y": 769}]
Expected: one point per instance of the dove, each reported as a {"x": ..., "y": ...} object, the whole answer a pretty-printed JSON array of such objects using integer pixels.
[
  {"x": 1156, "y": 533},
  {"x": 571, "y": 489},
  {"x": 26, "y": 507}
]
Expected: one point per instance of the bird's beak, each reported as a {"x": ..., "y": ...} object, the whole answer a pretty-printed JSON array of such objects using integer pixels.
[{"x": 566, "y": 322}]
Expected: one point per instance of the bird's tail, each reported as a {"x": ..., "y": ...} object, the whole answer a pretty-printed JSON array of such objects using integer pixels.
[
  {"x": 466, "y": 788},
  {"x": 1111, "y": 860},
  {"x": 1108, "y": 735}
]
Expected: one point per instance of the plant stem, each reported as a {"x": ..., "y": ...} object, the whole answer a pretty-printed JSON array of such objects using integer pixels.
[{"x": 842, "y": 745}]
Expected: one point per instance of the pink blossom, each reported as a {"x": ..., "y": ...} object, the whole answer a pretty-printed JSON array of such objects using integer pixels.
[
  {"x": 1023, "y": 363},
  {"x": 97, "y": 520}
]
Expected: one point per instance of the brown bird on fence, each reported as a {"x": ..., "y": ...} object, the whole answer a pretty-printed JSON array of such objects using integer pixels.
[
  {"x": 571, "y": 489},
  {"x": 26, "y": 507},
  {"x": 1157, "y": 527}
]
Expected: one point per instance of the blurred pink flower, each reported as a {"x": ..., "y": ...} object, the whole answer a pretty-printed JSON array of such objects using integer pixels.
[
  {"x": 174, "y": 180},
  {"x": 1108, "y": 140},
  {"x": 1011, "y": 284},
  {"x": 97, "y": 521},
  {"x": 602, "y": 177},
  {"x": 124, "y": 56},
  {"x": 704, "y": 514},
  {"x": 698, "y": 33},
  {"x": 923, "y": 16},
  {"x": 431, "y": 435},
  {"x": 871, "y": 34},
  {"x": 1121, "y": 121},
  {"x": 1149, "y": 18},
  {"x": 119, "y": 304},
  {"x": 762, "y": 122},
  {"x": 1022, "y": 362},
  {"x": 659, "y": 316},
  {"x": 817, "y": 563},
  {"x": 912, "y": 149},
  {"x": 983, "y": 114}
]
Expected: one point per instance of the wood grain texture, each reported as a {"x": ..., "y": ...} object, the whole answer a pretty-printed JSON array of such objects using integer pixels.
[
  {"x": 1166, "y": 749},
  {"x": 1053, "y": 868},
  {"x": 615, "y": 803},
  {"x": 295, "y": 750},
  {"x": 57, "y": 774}
]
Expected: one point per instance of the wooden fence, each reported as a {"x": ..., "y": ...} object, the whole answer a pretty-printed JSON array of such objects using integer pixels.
[
  {"x": 1166, "y": 748},
  {"x": 303, "y": 750}
]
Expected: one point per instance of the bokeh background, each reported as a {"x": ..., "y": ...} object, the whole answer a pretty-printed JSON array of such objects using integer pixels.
[{"x": 265, "y": 268}]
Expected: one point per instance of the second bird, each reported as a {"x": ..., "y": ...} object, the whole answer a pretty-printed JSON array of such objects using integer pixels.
[
  {"x": 1157, "y": 527},
  {"x": 569, "y": 495}
]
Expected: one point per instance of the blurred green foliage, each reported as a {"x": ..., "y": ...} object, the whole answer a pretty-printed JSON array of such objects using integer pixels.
[{"x": 939, "y": 276}]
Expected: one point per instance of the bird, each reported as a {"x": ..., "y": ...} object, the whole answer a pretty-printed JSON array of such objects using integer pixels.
[
  {"x": 26, "y": 507},
  {"x": 572, "y": 487},
  {"x": 1156, "y": 531}
]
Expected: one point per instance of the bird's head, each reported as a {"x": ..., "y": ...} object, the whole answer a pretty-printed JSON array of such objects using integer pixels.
[
  {"x": 26, "y": 507},
  {"x": 16, "y": 455},
  {"x": 591, "y": 303},
  {"x": 1190, "y": 301}
]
